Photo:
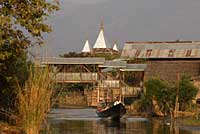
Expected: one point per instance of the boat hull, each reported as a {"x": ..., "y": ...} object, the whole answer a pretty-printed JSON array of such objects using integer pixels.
[{"x": 114, "y": 112}]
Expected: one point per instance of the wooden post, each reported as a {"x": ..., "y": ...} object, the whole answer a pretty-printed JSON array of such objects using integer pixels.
[
  {"x": 80, "y": 71},
  {"x": 64, "y": 73},
  {"x": 122, "y": 79},
  {"x": 143, "y": 88},
  {"x": 98, "y": 74},
  {"x": 177, "y": 95},
  {"x": 99, "y": 79},
  {"x": 98, "y": 93},
  {"x": 120, "y": 87}
]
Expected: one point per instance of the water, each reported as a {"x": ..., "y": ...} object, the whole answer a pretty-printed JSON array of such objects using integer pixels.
[{"x": 85, "y": 121}]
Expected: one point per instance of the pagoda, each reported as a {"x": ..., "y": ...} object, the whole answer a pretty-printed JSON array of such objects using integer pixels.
[
  {"x": 101, "y": 45},
  {"x": 86, "y": 48},
  {"x": 115, "y": 47}
]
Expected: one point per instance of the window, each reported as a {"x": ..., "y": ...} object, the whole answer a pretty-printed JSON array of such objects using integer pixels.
[
  {"x": 188, "y": 53},
  {"x": 137, "y": 53},
  {"x": 148, "y": 53},
  {"x": 171, "y": 53}
]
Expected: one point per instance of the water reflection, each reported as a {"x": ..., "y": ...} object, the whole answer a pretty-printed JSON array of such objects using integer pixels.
[{"x": 85, "y": 121}]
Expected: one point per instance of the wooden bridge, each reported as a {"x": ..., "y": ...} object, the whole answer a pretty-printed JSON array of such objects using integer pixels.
[
  {"x": 74, "y": 77},
  {"x": 97, "y": 71}
]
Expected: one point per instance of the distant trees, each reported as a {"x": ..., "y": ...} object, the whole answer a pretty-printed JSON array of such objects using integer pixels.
[
  {"x": 21, "y": 26},
  {"x": 75, "y": 54},
  {"x": 165, "y": 94},
  {"x": 107, "y": 56}
]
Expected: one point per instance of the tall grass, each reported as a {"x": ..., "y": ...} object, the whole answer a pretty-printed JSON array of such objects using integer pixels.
[{"x": 34, "y": 100}]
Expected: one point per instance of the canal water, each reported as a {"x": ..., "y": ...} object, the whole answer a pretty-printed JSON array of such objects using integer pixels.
[{"x": 85, "y": 121}]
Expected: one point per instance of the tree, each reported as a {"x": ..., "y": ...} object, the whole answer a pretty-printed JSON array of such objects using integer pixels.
[
  {"x": 22, "y": 24},
  {"x": 159, "y": 90},
  {"x": 165, "y": 93},
  {"x": 187, "y": 91}
]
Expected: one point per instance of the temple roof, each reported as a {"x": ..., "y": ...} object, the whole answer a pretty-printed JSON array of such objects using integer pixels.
[
  {"x": 115, "y": 47},
  {"x": 101, "y": 41},
  {"x": 86, "y": 48}
]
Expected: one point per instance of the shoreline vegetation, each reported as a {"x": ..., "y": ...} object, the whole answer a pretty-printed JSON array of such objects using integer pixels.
[{"x": 34, "y": 100}]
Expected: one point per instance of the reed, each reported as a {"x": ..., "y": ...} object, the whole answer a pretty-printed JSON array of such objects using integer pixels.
[
  {"x": 34, "y": 100},
  {"x": 72, "y": 98}
]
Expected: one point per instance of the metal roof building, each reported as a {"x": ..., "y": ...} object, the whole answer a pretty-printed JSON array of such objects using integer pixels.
[{"x": 168, "y": 50}]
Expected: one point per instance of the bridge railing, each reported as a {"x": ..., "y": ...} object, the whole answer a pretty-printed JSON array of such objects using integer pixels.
[
  {"x": 131, "y": 91},
  {"x": 110, "y": 83},
  {"x": 65, "y": 77}
]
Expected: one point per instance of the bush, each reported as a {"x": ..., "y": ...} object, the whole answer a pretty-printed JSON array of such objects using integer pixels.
[
  {"x": 34, "y": 100},
  {"x": 165, "y": 93}
]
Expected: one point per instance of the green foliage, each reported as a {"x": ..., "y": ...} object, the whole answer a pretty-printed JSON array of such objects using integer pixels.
[
  {"x": 107, "y": 56},
  {"x": 13, "y": 70},
  {"x": 187, "y": 91},
  {"x": 22, "y": 24},
  {"x": 159, "y": 90},
  {"x": 165, "y": 94},
  {"x": 74, "y": 54},
  {"x": 155, "y": 87}
]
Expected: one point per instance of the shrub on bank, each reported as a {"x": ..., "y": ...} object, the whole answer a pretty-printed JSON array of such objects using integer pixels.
[{"x": 34, "y": 100}]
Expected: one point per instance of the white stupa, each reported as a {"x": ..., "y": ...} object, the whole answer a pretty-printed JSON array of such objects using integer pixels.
[
  {"x": 86, "y": 48},
  {"x": 115, "y": 47},
  {"x": 100, "y": 42}
]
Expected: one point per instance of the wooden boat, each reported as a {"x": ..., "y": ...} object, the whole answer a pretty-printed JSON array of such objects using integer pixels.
[{"x": 115, "y": 112}]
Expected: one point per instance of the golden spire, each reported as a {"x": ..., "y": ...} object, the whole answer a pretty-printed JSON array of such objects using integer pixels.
[{"x": 102, "y": 25}]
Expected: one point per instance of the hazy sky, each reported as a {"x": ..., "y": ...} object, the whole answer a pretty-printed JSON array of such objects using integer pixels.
[{"x": 124, "y": 20}]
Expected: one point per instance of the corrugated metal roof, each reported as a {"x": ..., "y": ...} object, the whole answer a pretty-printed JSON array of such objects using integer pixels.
[
  {"x": 134, "y": 67},
  {"x": 114, "y": 64},
  {"x": 129, "y": 67},
  {"x": 161, "y": 50},
  {"x": 108, "y": 69},
  {"x": 58, "y": 60}
]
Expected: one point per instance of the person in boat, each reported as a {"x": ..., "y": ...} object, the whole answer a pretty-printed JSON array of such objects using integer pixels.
[
  {"x": 101, "y": 105},
  {"x": 117, "y": 101}
]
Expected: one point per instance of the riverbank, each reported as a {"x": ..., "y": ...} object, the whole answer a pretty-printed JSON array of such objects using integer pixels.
[
  {"x": 189, "y": 122},
  {"x": 8, "y": 129}
]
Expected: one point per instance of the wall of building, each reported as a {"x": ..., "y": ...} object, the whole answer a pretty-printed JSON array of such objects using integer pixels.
[{"x": 169, "y": 70}]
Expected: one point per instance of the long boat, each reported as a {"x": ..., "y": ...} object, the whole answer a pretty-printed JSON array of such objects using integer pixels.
[{"x": 115, "y": 112}]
